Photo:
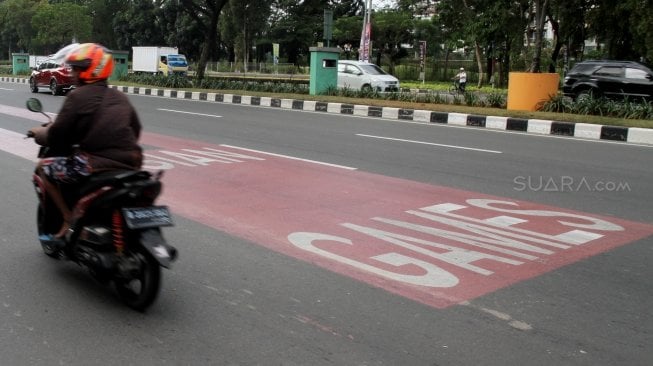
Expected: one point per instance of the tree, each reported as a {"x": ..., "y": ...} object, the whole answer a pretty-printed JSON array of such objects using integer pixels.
[
  {"x": 463, "y": 23},
  {"x": 180, "y": 30},
  {"x": 624, "y": 27},
  {"x": 541, "y": 10},
  {"x": 568, "y": 20},
  {"x": 206, "y": 13},
  {"x": 134, "y": 26},
  {"x": 475, "y": 32},
  {"x": 16, "y": 16},
  {"x": 347, "y": 33},
  {"x": 389, "y": 30},
  {"x": 428, "y": 30},
  {"x": 496, "y": 28},
  {"x": 348, "y": 8},
  {"x": 297, "y": 26},
  {"x": 499, "y": 29},
  {"x": 102, "y": 13},
  {"x": 452, "y": 27},
  {"x": 57, "y": 25},
  {"x": 641, "y": 21},
  {"x": 244, "y": 20},
  {"x": 416, "y": 7}
]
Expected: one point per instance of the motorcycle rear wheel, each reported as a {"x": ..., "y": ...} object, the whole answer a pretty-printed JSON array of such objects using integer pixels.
[{"x": 141, "y": 287}]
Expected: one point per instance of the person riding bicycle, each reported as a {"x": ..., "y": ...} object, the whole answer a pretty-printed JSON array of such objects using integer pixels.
[
  {"x": 99, "y": 120},
  {"x": 461, "y": 78}
]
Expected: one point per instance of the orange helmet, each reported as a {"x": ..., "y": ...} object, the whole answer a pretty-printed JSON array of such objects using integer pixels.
[{"x": 93, "y": 61}]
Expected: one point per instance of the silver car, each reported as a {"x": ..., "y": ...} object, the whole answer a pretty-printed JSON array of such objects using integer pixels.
[{"x": 360, "y": 75}]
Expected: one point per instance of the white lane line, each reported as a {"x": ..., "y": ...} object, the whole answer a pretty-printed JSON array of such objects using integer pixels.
[
  {"x": 290, "y": 157},
  {"x": 15, "y": 143},
  {"x": 184, "y": 112},
  {"x": 430, "y": 143},
  {"x": 517, "y": 324},
  {"x": 6, "y": 89}
]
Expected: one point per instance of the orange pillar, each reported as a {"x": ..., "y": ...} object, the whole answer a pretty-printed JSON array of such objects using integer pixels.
[{"x": 527, "y": 90}]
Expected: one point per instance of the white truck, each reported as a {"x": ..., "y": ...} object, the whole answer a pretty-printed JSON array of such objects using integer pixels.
[{"x": 159, "y": 60}]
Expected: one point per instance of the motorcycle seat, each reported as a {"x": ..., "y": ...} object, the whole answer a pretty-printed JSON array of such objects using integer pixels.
[{"x": 111, "y": 178}]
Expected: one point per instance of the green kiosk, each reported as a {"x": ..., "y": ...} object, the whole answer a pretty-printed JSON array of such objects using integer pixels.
[
  {"x": 121, "y": 64},
  {"x": 324, "y": 69},
  {"x": 20, "y": 63}
]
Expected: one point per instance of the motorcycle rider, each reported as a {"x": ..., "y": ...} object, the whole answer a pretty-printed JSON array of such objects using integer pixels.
[{"x": 99, "y": 120}]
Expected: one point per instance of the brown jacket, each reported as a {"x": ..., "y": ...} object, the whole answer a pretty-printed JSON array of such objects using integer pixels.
[{"x": 103, "y": 123}]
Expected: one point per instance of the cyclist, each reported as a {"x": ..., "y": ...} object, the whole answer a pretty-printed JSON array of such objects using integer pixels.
[{"x": 461, "y": 77}]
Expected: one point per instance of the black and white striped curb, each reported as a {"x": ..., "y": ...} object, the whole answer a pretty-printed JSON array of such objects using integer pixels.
[{"x": 534, "y": 126}]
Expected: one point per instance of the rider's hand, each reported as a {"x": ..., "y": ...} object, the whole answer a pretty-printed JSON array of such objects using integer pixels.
[{"x": 40, "y": 135}]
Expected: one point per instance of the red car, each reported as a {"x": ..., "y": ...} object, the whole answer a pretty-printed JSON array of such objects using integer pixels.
[{"x": 52, "y": 74}]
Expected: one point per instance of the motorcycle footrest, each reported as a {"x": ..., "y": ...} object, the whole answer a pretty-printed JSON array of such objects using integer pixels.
[{"x": 48, "y": 240}]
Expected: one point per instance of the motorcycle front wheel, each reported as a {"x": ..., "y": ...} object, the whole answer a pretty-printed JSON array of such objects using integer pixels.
[{"x": 138, "y": 287}]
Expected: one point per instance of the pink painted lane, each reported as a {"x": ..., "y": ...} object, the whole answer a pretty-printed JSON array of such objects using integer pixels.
[{"x": 436, "y": 245}]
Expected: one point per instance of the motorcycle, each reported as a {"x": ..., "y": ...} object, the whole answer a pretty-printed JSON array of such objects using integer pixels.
[{"x": 115, "y": 230}]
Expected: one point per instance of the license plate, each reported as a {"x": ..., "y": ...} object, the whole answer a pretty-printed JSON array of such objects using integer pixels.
[{"x": 146, "y": 217}]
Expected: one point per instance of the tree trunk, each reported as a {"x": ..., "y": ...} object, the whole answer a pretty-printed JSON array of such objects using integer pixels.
[
  {"x": 554, "y": 56},
  {"x": 211, "y": 35},
  {"x": 504, "y": 70},
  {"x": 206, "y": 13},
  {"x": 446, "y": 65},
  {"x": 558, "y": 46},
  {"x": 540, "y": 17},
  {"x": 479, "y": 63}
]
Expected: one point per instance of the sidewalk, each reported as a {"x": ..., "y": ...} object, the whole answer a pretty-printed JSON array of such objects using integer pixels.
[{"x": 633, "y": 135}]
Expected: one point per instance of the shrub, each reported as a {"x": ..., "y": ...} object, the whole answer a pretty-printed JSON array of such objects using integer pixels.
[
  {"x": 495, "y": 100},
  {"x": 626, "y": 109},
  {"x": 556, "y": 104},
  {"x": 471, "y": 99},
  {"x": 173, "y": 81}
]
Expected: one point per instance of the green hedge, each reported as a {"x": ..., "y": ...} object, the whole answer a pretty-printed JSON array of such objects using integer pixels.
[
  {"x": 222, "y": 83},
  {"x": 626, "y": 109}
]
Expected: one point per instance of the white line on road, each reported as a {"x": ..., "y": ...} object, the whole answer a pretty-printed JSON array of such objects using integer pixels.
[
  {"x": 15, "y": 143},
  {"x": 517, "y": 324},
  {"x": 430, "y": 143},
  {"x": 197, "y": 114},
  {"x": 291, "y": 157},
  {"x": 6, "y": 89}
]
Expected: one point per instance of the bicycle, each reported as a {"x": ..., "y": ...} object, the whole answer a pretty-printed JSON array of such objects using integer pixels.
[{"x": 455, "y": 88}]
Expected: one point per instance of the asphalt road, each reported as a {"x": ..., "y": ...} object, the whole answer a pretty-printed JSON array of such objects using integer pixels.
[{"x": 237, "y": 298}]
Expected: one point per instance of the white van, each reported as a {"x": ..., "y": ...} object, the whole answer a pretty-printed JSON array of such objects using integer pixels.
[{"x": 360, "y": 75}]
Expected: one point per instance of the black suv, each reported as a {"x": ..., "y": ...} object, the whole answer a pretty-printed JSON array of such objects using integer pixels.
[{"x": 611, "y": 79}]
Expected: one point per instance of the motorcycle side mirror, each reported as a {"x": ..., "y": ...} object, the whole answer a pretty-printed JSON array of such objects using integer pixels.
[{"x": 35, "y": 105}]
